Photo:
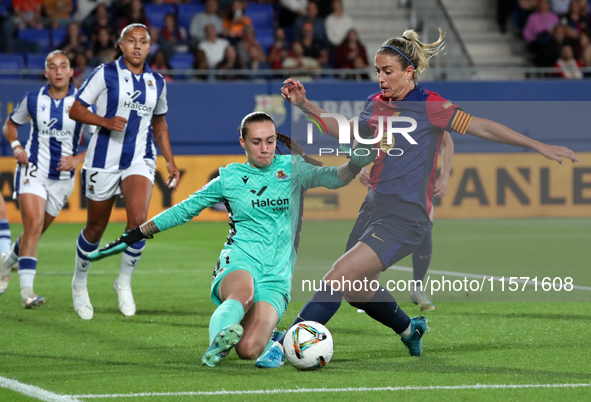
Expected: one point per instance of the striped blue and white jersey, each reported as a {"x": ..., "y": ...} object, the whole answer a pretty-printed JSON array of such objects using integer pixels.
[
  {"x": 116, "y": 91},
  {"x": 53, "y": 133}
]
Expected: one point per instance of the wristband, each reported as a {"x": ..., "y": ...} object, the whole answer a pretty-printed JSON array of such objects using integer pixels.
[
  {"x": 353, "y": 168},
  {"x": 15, "y": 144}
]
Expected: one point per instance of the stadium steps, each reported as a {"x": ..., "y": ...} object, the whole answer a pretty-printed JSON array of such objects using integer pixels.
[{"x": 475, "y": 21}]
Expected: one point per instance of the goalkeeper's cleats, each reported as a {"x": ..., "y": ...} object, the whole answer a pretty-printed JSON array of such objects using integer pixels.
[
  {"x": 116, "y": 247},
  {"x": 82, "y": 303},
  {"x": 422, "y": 300},
  {"x": 126, "y": 302},
  {"x": 4, "y": 272},
  {"x": 272, "y": 358},
  {"x": 414, "y": 342},
  {"x": 222, "y": 343}
]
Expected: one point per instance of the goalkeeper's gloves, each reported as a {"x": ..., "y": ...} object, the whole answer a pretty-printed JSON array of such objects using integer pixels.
[
  {"x": 118, "y": 246},
  {"x": 361, "y": 159}
]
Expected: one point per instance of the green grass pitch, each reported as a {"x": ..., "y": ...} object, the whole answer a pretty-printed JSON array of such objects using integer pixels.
[{"x": 485, "y": 338}]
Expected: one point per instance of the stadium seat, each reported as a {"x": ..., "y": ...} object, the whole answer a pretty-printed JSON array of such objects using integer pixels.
[
  {"x": 187, "y": 12},
  {"x": 38, "y": 36},
  {"x": 11, "y": 61},
  {"x": 157, "y": 12},
  {"x": 58, "y": 36},
  {"x": 35, "y": 61},
  {"x": 182, "y": 61},
  {"x": 266, "y": 38},
  {"x": 261, "y": 15}
]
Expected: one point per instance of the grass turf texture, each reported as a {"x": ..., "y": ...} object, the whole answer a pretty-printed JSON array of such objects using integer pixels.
[{"x": 159, "y": 349}]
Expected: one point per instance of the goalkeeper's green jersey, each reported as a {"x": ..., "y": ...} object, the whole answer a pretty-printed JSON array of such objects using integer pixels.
[{"x": 264, "y": 206}]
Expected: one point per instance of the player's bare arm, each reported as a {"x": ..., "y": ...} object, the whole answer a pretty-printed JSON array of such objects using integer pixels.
[
  {"x": 80, "y": 113},
  {"x": 10, "y": 131},
  {"x": 162, "y": 137}
]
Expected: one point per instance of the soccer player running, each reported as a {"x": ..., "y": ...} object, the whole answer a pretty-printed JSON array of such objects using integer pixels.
[
  {"x": 421, "y": 256},
  {"x": 131, "y": 106},
  {"x": 264, "y": 196},
  {"x": 44, "y": 177},
  {"x": 393, "y": 219}
]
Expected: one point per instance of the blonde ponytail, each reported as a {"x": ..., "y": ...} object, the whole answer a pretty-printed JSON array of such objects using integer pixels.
[{"x": 410, "y": 51}]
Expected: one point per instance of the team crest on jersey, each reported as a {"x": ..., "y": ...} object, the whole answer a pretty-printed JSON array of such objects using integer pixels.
[
  {"x": 281, "y": 175},
  {"x": 273, "y": 105},
  {"x": 27, "y": 182},
  {"x": 150, "y": 84},
  {"x": 68, "y": 109},
  {"x": 91, "y": 189}
]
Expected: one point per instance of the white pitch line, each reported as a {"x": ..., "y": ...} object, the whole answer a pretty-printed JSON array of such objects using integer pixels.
[
  {"x": 478, "y": 276},
  {"x": 35, "y": 392},
  {"x": 320, "y": 390}
]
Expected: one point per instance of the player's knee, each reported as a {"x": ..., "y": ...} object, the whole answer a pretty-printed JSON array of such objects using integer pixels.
[
  {"x": 93, "y": 232},
  {"x": 33, "y": 227},
  {"x": 249, "y": 349}
]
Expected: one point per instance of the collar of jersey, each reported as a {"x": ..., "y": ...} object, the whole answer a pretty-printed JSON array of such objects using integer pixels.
[
  {"x": 70, "y": 91},
  {"x": 263, "y": 169},
  {"x": 123, "y": 66}
]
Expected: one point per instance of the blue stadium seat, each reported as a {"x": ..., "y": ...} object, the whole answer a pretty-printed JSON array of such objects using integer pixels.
[
  {"x": 38, "y": 36},
  {"x": 182, "y": 61},
  {"x": 157, "y": 12},
  {"x": 187, "y": 12},
  {"x": 261, "y": 15},
  {"x": 11, "y": 61},
  {"x": 35, "y": 61},
  {"x": 58, "y": 36},
  {"x": 266, "y": 38}
]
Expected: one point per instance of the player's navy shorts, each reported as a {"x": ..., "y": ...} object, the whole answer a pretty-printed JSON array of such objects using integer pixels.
[{"x": 391, "y": 227}]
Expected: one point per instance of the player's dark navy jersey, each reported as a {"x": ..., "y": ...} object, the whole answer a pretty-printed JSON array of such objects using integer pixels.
[{"x": 410, "y": 176}]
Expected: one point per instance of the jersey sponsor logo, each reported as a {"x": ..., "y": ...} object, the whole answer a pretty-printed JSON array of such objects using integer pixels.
[
  {"x": 141, "y": 109},
  {"x": 50, "y": 132},
  {"x": 261, "y": 191},
  {"x": 279, "y": 205},
  {"x": 281, "y": 175}
]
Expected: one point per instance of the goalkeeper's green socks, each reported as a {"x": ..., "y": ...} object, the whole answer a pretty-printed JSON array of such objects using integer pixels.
[{"x": 228, "y": 313}]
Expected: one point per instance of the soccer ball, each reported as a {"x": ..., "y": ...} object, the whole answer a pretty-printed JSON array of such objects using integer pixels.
[{"x": 308, "y": 345}]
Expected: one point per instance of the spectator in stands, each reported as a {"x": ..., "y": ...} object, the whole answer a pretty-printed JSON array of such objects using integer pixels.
[
  {"x": 235, "y": 21},
  {"x": 200, "y": 63},
  {"x": 560, "y": 7},
  {"x": 575, "y": 17},
  {"x": 290, "y": 11},
  {"x": 584, "y": 51},
  {"x": 57, "y": 12},
  {"x": 522, "y": 12},
  {"x": 75, "y": 42},
  {"x": 245, "y": 45},
  {"x": 173, "y": 35},
  {"x": 337, "y": 24},
  {"x": 81, "y": 69},
  {"x": 27, "y": 14},
  {"x": 312, "y": 17},
  {"x": 568, "y": 66},
  {"x": 231, "y": 61},
  {"x": 540, "y": 23},
  {"x": 98, "y": 20},
  {"x": 135, "y": 13},
  {"x": 564, "y": 35},
  {"x": 297, "y": 60},
  {"x": 279, "y": 50},
  {"x": 213, "y": 47},
  {"x": 208, "y": 17},
  {"x": 102, "y": 49},
  {"x": 160, "y": 62},
  {"x": 312, "y": 47},
  {"x": 351, "y": 53},
  {"x": 85, "y": 8},
  {"x": 257, "y": 61}
]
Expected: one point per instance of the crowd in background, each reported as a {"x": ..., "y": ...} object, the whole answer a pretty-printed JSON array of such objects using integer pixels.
[
  {"x": 304, "y": 34},
  {"x": 556, "y": 32}
]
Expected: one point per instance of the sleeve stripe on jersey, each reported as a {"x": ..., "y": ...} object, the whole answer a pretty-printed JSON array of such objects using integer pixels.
[{"x": 461, "y": 121}]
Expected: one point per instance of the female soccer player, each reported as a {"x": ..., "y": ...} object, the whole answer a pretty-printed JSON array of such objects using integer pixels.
[
  {"x": 393, "y": 218},
  {"x": 252, "y": 278},
  {"x": 131, "y": 107},
  {"x": 44, "y": 177}
]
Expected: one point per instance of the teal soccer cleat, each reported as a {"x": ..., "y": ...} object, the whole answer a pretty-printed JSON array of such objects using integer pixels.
[
  {"x": 272, "y": 358},
  {"x": 414, "y": 342},
  {"x": 223, "y": 342}
]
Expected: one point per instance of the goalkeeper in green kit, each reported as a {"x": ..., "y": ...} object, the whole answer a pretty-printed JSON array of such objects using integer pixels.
[{"x": 252, "y": 278}]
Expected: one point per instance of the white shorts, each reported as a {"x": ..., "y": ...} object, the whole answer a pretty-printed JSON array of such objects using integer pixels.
[
  {"x": 27, "y": 180},
  {"x": 101, "y": 186}
]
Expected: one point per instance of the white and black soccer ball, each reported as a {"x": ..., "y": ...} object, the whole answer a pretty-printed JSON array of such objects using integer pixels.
[{"x": 308, "y": 345}]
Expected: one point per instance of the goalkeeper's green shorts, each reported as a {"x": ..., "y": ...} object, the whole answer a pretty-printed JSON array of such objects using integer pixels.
[{"x": 271, "y": 288}]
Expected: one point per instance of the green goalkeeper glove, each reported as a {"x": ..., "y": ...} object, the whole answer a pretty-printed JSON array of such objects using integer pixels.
[
  {"x": 118, "y": 246},
  {"x": 359, "y": 161}
]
